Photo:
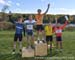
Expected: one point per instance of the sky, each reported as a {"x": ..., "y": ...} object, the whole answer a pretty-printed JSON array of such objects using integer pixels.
[{"x": 31, "y": 6}]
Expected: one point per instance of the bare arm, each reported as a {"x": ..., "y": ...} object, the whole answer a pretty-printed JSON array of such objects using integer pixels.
[
  {"x": 66, "y": 22},
  {"x": 55, "y": 21},
  {"x": 54, "y": 27},
  {"x": 47, "y": 9},
  {"x": 12, "y": 21}
]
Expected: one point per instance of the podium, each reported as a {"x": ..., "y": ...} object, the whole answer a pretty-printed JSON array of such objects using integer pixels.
[
  {"x": 26, "y": 52},
  {"x": 40, "y": 48}
]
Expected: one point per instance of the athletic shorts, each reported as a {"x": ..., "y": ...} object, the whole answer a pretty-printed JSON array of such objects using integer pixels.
[
  {"x": 49, "y": 38},
  {"x": 39, "y": 27},
  {"x": 59, "y": 38},
  {"x": 30, "y": 32},
  {"x": 18, "y": 37}
]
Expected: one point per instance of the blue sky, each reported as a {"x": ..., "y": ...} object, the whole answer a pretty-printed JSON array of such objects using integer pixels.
[{"x": 31, "y": 6}]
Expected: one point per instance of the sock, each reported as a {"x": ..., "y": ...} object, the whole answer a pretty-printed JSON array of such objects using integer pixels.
[
  {"x": 50, "y": 49},
  {"x": 13, "y": 50}
]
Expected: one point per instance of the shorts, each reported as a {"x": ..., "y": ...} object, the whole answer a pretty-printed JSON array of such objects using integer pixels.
[
  {"x": 59, "y": 38},
  {"x": 39, "y": 27},
  {"x": 29, "y": 32},
  {"x": 49, "y": 38},
  {"x": 18, "y": 37}
]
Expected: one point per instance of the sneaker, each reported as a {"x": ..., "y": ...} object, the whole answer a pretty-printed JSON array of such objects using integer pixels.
[
  {"x": 38, "y": 41},
  {"x": 13, "y": 52},
  {"x": 32, "y": 47},
  {"x": 20, "y": 51},
  {"x": 43, "y": 41}
]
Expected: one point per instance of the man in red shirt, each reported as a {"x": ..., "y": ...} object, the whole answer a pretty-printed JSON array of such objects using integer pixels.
[{"x": 58, "y": 32}]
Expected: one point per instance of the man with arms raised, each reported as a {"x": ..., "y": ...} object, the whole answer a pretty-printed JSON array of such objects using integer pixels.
[{"x": 39, "y": 23}]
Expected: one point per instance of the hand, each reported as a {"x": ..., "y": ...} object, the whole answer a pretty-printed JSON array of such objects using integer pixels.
[
  {"x": 66, "y": 18},
  {"x": 56, "y": 20},
  {"x": 48, "y": 5}
]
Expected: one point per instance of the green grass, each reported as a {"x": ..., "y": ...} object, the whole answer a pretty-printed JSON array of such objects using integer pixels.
[{"x": 6, "y": 46}]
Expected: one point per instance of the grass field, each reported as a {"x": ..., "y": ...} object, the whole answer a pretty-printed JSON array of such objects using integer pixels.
[{"x": 6, "y": 46}]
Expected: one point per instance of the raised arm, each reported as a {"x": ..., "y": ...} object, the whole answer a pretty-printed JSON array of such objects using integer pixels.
[
  {"x": 47, "y": 9},
  {"x": 55, "y": 20},
  {"x": 66, "y": 22},
  {"x": 12, "y": 21},
  {"x": 54, "y": 27}
]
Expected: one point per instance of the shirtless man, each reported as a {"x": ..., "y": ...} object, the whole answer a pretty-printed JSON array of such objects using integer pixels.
[{"x": 39, "y": 23}]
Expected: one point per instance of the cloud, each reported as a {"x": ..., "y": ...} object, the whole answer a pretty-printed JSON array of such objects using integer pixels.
[
  {"x": 18, "y": 4},
  {"x": 18, "y": 10},
  {"x": 52, "y": 11},
  {"x": 9, "y": 1},
  {"x": 3, "y": 2},
  {"x": 62, "y": 11}
]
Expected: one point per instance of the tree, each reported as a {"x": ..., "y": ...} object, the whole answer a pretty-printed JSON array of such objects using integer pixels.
[{"x": 5, "y": 7}]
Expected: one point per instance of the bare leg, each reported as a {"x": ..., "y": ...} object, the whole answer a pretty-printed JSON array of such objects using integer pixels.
[
  {"x": 47, "y": 46},
  {"x": 60, "y": 44},
  {"x": 32, "y": 40},
  {"x": 50, "y": 48},
  {"x": 28, "y": 41},
  {"x": 57, "y": 44},
  {"x": 38, "y": 36},
  {"x": 20, "y": 45},
  {"x": 61, "y": 48},
  {"x": 14, "y": 47},
  {"x": 50, "y": 44},
  {"x": 43, "y": 35}
]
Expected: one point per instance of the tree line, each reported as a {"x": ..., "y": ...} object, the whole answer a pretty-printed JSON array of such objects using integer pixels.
[{"x": 47, "y": 18}]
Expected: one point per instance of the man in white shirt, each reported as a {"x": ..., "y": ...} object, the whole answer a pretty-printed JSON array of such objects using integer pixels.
[{"x": 29, "y": 31}]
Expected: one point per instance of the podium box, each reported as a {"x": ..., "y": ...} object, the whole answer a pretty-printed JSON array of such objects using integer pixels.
[
  {"x": 40, "y": 49},
  {"x": 26, "y": 52}
]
